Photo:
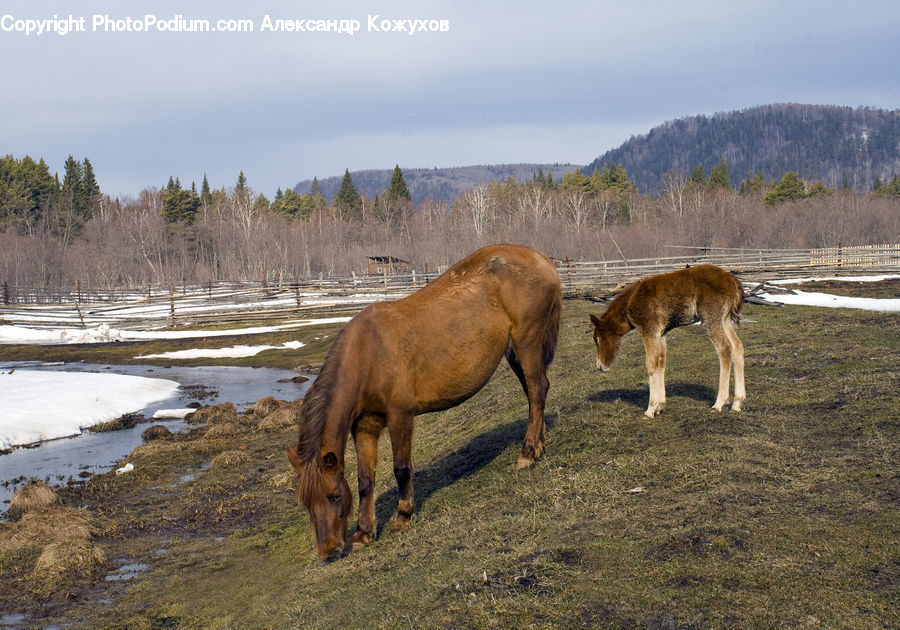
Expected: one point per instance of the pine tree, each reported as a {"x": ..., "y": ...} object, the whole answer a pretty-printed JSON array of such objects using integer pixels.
[
  {"x": 790, "y": 187},
  {"x": 179, "y": 205},
  {"x": 315, "y": 189},
  {"x": 90, "y": 190},
  {"x": 699, "y": 175},
  {"x": 205, "y": 194},
  {"x": 348, "y": 201},
  {"x": 718, "y": 177},
  {"x": 398, "y": 189},
  {"x": 241, "y": 182}
]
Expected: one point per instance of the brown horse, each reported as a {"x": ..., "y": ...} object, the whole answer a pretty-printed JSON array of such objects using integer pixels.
[
  {"x": 428, "y": 351},
  {"x": 657, "y": 304}
]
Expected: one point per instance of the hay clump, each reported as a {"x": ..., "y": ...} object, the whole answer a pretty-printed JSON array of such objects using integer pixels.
[
  {"x": 265, "y": 406},
  {"x": 68, "y": 556},
  {"x": 62, "y": 536},
  {"x": 157, "y": 432},
  {"x": 35, "y": 496},
  {"x": 214, "y": 414},
  {"x": 286, "y": 416},
  {"x": 230, "y": 459},
  {"x": 224, "y": 430}
]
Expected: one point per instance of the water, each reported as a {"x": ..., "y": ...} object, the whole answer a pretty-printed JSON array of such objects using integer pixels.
[{"x": 93, "y": 453}]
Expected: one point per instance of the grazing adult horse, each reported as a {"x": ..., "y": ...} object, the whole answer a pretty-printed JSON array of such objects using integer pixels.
[
  {"x": 426, "y": 352},
  {"x": 657, "y": 304}
]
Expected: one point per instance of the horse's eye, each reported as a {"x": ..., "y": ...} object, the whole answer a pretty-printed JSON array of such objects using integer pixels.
[{"x": 335, "y": 499}]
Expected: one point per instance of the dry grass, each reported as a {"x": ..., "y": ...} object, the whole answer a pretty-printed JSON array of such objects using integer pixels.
[
  {"x": 283, "y": 417},
  {"x": 267, "y": 405},
  {"x": 214, "y": 414},
  {"x": 33, "y": 497},
  {"x": 223, "y": 431},
  {"x": 230, "y": 459},
  {"x": 68, "y": 556},
  {"x": 157, "y": 432}
]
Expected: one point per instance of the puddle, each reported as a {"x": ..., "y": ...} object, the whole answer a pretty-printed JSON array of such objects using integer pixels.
[
  {"x": 127, "y": 572},
  {"x": 16, "y": 620},
  {"x": 81, "y": 456}
]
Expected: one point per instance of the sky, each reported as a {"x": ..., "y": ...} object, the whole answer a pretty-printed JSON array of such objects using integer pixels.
[{"x": 499, "y": 83}]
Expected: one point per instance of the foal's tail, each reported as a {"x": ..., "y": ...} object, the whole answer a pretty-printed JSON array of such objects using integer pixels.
[
  {"x": 737, "y": 302},
  {"x": 551, "y": 330}
]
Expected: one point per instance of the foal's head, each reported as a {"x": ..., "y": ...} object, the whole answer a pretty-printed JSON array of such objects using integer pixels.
[
  {"x": 607, "y": 337},
  {"x": 325, "y": 493}
]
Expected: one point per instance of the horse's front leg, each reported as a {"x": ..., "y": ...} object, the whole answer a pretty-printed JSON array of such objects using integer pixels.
[
  {"x": 655, "y": 348},
  {"x": 400, "y": 426},
  {"x": 365, "y": 436}
]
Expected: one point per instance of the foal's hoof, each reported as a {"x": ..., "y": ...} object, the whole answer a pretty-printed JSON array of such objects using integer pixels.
[{"x": 736, "y": 405}]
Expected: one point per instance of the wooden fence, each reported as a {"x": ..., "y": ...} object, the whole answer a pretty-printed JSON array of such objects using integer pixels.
[{"x": 274, "y": 298}]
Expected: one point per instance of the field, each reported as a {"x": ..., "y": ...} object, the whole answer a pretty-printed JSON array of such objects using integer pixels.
[{"x": 783, "y": 515}]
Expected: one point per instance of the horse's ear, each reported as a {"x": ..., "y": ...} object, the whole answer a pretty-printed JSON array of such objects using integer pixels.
[
  {"x": 594, "y": 320},
  {"x": 295, "y": 460},
  {"x": 330, "y": 460}
]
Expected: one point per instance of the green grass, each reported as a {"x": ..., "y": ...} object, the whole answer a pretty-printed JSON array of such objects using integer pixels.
[{"x": 784, "y": 515}]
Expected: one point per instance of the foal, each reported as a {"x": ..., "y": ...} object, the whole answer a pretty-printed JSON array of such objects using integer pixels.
[{"x": 657, "y": 304}]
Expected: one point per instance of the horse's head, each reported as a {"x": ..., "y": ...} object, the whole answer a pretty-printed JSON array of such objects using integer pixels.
[
  {"x": 607, "y": 339},
  {"x": 322, "y": 488}
]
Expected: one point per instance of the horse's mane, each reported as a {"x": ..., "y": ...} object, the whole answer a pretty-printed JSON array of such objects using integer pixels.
[{"x": 315, "y": 405}]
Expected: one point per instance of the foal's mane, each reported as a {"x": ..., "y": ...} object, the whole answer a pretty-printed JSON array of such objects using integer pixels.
[{"x": 621, "y": 297}]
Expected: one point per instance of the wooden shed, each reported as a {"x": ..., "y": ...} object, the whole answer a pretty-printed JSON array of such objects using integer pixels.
[{"x": 389, "y": 265}]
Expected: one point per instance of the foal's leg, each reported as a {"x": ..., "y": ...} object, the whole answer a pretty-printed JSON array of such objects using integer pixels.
[
  {"x": 655, "y": 348},
  {"x": 528, "y": 364},
  {"x": 723, "y": 348},
  {"x": 737, "y": 357},
  {"x": 400, "y": 426},
  {"x": 365, "y": 436}
]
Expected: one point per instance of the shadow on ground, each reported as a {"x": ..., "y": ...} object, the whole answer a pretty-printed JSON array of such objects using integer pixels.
[{"x": 459, "y": 464}]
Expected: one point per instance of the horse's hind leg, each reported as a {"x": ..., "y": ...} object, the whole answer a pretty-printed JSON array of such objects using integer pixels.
[
  {"x": 528, "y": 365},
  {"x": 723, "y": 349},
  {"x": 737, "y": 357}
]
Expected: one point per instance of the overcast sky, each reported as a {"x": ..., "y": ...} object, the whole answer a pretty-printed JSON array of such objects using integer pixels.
[{"x": 529, "y": 82}]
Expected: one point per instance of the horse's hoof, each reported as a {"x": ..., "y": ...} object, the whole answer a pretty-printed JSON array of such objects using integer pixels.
[
  {"x": 523, "y": 462},
  {"x": 736, "y": 405},
  {"x": 400, "y": 524},
  {"x": 360, "y": 540}
]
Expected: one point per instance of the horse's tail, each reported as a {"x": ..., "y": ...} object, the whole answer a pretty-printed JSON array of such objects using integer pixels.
[
  {"x": 551, "y": 329},
  {"x": 737, "y": 302}
]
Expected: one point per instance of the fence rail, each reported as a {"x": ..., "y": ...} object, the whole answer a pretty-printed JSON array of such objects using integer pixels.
[{"x": 160, "y": 305}]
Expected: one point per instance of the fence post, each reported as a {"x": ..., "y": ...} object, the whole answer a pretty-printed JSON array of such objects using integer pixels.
[{"x": 172, "y": 303}]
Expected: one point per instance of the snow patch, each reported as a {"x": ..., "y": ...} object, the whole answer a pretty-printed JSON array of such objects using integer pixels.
[
  {"x": 220, "y": 353},
  {"x": 42, "y": 405}
]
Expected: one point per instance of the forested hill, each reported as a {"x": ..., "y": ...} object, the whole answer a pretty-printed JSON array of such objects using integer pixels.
[
  {"x": 839, "y": 146},
  {"x": 438, "y": 183}
]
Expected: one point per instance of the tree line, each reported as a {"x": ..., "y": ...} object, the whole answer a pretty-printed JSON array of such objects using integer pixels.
[{"x": 56, "y": 233}]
